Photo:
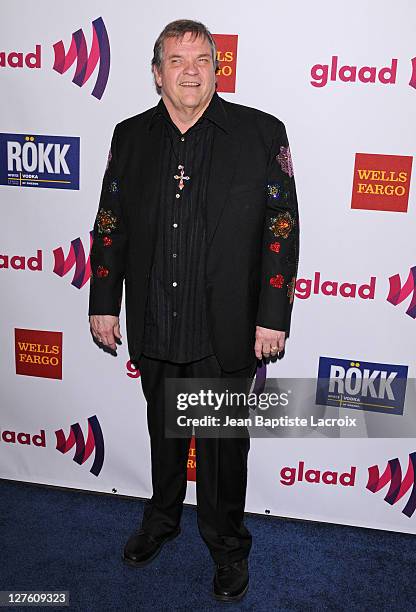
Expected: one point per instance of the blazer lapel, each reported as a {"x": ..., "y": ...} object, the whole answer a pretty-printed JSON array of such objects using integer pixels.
[
  {"x": 149, "y": 172},
  {"x": 225, "y": 153}
]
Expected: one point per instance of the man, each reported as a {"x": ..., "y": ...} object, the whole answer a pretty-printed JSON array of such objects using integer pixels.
[{"x": 198, "y": 215}]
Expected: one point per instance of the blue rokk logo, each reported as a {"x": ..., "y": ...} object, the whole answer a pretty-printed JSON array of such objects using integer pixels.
[
  {"x": 376, "y": 387},
  {"x": 39, "y": 161}
]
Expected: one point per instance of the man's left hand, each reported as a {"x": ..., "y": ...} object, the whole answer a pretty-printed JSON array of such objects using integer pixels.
[{"x": 269, "y": 342}]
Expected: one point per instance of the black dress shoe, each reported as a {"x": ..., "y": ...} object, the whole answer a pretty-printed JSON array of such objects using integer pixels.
[
  {"x": 142, "y": 547},
  {"x": 231, "y": 581}
]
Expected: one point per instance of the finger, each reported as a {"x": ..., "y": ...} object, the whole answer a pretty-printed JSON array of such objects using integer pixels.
[
  {"x": 266, "y": 350},
  {"x": 117, "y": 332},
  {"x": 95, "y": 334},
  {"x": 108, "y": 340},
  {"x": 258, "y": 349}
]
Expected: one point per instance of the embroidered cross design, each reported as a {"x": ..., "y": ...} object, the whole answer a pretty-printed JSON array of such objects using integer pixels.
[{"x": 181, "y": 177}]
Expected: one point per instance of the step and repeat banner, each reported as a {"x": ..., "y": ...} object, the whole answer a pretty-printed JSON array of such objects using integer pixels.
[{"x": 342, "y": 77}]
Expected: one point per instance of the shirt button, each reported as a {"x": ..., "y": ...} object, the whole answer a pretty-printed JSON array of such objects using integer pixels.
[
  {"x": 175, "y": 225},
  {"x": 178, "y": 195},
  {"x": 174, "y": 255},
  {"x": 175, "y": 314},
  {"x": 175, "y": 284},
  {"x": 183, "y": 139}
]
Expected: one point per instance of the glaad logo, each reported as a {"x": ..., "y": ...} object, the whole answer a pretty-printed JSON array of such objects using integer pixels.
[
  {"x": 350, "y": 74},
  {"x": 76, "y": 257},
  {"x": 86, "y": 63},
  {"x": 62, "y": 265},
  {"x": 412, "y": 81},
  {"x": 23, "y": 437},
  {"x": 83, "y": 450},
  {"x": 17, "y": 59},
  {"x": 398, "y": 293},
  {"x": 375, "y": 387},
  {"x": 290, "y": 475},
  {"x": 21, "y": 262},
  {"x": 305, "y": 287},
  {"x": 398, "y": 485},
  {"x": 322, "y": 73},
  {"x": 132, "y": 370},
  {"x": 39, "y": 161}
]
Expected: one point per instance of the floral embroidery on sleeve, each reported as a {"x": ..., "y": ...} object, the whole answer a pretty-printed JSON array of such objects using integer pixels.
[
  {"x": 106, "y": 221},
  {"x": 285, "y": 160},
  {"x": 274, "y": 190},
  {"x": 110, "y": 157},
  {"x": 102, "y": 272},
  {"x": 113, "y": 186},
  {"x": 277, "y": 281},
  {"x": 282, "y": 225},
  {"x": 275, "y": 247}
]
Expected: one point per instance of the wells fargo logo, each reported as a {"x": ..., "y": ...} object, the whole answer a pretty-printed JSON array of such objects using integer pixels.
[
  {"x": 399, "y": 485},
  {"x": 83, "y": 448},
  {"x": 38, "y": 353},
  {"x": 86, "y": 61},
  {"x": 191, "y": 465},
  {"x": 227, "y": 58},
  {"x": 381, "y": 182}
]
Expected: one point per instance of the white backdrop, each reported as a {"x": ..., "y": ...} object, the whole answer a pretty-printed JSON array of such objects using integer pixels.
[{"x": 278, "y": 43}]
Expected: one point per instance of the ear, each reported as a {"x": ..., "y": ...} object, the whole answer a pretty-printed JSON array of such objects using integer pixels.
[{"x": 158, "y": 76}]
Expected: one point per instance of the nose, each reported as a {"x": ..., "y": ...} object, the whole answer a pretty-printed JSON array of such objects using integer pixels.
[{"x": 191, "y": 67}]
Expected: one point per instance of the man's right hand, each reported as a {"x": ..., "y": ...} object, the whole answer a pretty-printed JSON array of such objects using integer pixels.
[{"x": 105, "y": 329}]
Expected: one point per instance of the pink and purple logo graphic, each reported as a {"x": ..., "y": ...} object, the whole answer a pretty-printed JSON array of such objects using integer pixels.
[
  {"x": 83, "y": 450},
  {"x": 86, "y": 63},
  {"x": 76, "y": 257},
  {"x": 399, "y": 486},
  {"x": 412, "y": 81},
  {"x": 398, "y": 293}
]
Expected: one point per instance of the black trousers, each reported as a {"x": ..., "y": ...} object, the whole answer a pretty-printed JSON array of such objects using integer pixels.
[{"x": 221, "y": 467}]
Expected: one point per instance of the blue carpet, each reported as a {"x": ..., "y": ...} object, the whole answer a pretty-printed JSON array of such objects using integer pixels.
[{"x": 68, "y": 540}]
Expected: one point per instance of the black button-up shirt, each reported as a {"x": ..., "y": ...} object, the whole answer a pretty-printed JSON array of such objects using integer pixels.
[{"x": 176, "y": 327}]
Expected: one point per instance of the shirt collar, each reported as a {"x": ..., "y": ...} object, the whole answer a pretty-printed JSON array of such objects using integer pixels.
[{"x": 215, "y": 112}]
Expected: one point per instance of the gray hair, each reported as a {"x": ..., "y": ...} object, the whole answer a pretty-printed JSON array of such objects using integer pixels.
[{"x": 178, "y": 29}]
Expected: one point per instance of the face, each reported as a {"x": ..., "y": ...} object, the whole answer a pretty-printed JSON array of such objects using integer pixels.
[{"x": 187, "y": 73}]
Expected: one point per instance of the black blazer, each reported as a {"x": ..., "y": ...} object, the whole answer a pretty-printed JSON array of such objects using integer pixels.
[{"x": 252, "y": 229}]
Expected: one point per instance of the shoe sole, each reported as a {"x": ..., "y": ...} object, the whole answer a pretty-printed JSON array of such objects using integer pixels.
[
  {"x": 228, "y": 599},
  {"x": 132, "y": 563}
]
